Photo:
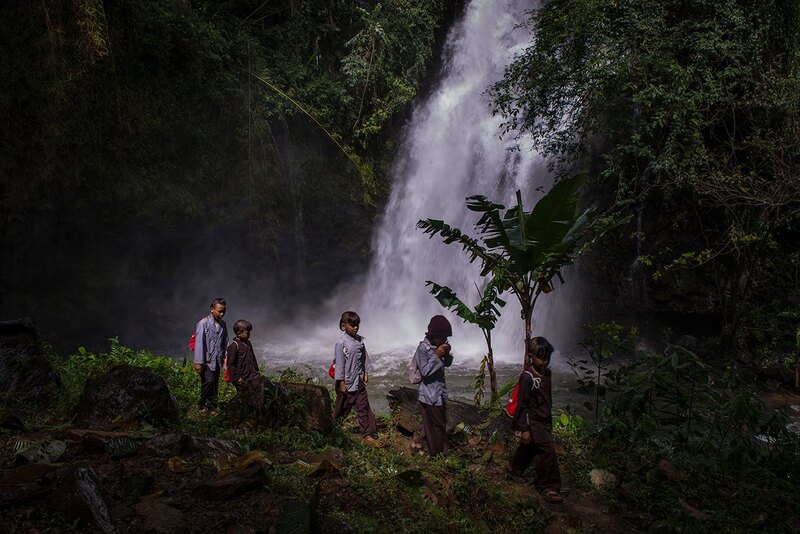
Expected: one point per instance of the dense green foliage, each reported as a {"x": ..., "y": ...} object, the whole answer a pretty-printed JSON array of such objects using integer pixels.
[
  {"x": 140, "y": 136},
  {"x": 691, "y": 111}
]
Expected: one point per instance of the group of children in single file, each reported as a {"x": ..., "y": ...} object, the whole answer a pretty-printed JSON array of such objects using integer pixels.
[{"x": 532, "y": 420}]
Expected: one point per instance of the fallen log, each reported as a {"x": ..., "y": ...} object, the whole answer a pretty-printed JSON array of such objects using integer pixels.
[{"x": 406, "y": 414}]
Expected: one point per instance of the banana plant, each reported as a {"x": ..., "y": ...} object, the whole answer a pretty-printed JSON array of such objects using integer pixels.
[
  {"x": 484, "y": 315},
  {"x": 523, "y": 251}
]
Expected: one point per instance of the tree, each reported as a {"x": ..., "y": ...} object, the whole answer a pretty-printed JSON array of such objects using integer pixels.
[
  {"x": 484, "y": 315},
  {"x": 694, "y": 110},
  {"x": 523, "y": 251}
]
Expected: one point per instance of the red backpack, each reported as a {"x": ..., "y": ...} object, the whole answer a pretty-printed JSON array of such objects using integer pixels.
[{"x": 513, "y": 399}]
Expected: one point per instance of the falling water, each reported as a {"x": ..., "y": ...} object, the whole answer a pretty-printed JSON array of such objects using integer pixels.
[{"x": 452, "y": 149}]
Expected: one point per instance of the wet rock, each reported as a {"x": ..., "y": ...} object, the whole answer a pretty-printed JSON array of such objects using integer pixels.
[
  {"x": 126, "y": 393},
  {"x": 777, "y": 373},
  {"x": 316, "y": 406},
  {"x": 228, "y": 486},
  {"x": 159, "y": 517},
  {"x": 601, "y": 478},
  {"x": 165, "y": 445},
  {"x": 26, "y": 376}
]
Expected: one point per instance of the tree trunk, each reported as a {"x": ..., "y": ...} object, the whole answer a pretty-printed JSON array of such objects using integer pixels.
[{"x": 492, "y": 374}]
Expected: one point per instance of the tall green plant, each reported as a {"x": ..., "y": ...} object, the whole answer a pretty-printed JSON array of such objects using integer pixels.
[
  {"x": 523, "y": 251},
  {"x": 484, "y": 315}
]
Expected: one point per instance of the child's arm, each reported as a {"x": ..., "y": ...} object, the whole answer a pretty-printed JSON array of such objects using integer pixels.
[
  {"x": 232, "y": 355},
  {"x": 426, "y": 363},
  {"x": 200, "y": 346}
]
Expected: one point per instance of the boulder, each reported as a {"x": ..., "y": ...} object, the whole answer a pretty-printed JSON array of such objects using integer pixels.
[
  {"x": 126, "y": 394},
  {"x": 228, "y": 486},
  {"x": 262, "y": 402},
  {"x": 26, "y": 375},
  {"x": 270, "y": 404},
  {"x": 315, "y": 406}
]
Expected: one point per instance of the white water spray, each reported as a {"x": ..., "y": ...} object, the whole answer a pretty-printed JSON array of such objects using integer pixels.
[{"x": 452, "y": 149}]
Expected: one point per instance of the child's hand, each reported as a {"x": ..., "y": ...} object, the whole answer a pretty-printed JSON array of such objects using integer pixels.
[
  {"x": 342, "y": 386},
  {"x": 198, "y": 367},
  {"x": 526, "y": 437},
  {"x": 366, "y": 378},
  {"x": 443, "y": 350}
]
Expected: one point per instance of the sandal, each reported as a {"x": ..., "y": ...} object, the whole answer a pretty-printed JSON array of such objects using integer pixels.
[{"x": 551, "y": 495}]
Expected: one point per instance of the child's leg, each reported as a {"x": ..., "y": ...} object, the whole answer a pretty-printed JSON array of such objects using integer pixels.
[
  {"x": 548, "y": 475},
  {"x": 344, "y": 403},
  {"x": 208, "y": 391},
  {"x": 434, "y": 420},
  {"x": 522, "y": 458},
  {"x": 366, "y": 419}
]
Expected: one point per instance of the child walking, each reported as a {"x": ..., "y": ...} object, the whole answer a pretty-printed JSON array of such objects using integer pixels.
[
  {"x": 353, "y": 366},
  {"x": 432, "y": 356},
  {"x": 241, "y": 359},
  {"x": 532, "y": 422},
  {"x": 211, "y": 338}
]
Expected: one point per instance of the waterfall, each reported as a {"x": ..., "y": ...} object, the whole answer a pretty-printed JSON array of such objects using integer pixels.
[{"x": 452, "y": 149}]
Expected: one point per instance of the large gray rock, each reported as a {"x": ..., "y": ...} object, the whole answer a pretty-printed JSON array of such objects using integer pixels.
[
  {"x": 126, "y": 394},
  {"x": 26, "y": 376}
]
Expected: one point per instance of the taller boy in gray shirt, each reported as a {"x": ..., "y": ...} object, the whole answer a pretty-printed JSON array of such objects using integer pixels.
[{"x": 353, "y": 366}]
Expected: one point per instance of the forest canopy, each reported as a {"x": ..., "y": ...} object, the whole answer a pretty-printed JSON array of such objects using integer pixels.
[{"x": 690, "y": 114}]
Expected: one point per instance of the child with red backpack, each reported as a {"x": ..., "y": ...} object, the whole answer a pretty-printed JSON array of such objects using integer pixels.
[
  {"x": 210, "y": 340},
  {"x": 351, "y": 367},
  {"x": 532, "y": 422}
]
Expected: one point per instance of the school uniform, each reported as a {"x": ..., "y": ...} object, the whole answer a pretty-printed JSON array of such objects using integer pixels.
[
  {"x": 433, "y": 396},
  {"x": 211, "y": 338},
  {"x": 351, "y": 361},
  {"x": 534, "y": 414},
  {"x": 242, "y": 363}
]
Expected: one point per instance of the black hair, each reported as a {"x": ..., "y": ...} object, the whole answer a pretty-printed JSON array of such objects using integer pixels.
[
  {"x": 351, "y": 318},
  {"x": 218, "y": 300},
  {"x": 540, "y": 347},
  {"x": 240, "y": 325}
]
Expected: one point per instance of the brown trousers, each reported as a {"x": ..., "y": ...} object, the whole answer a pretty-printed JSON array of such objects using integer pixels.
[
  {"x": 434, "y": 428},
  {"x": 543, "y": 454},
  {"x": 346, "y": 401}
]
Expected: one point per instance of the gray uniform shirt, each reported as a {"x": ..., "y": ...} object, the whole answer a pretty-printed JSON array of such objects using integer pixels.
[
  {"x": 210, "y": 342},
  {"x": 432, "y": 389},
  {"x": 351, "y": 361}
]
